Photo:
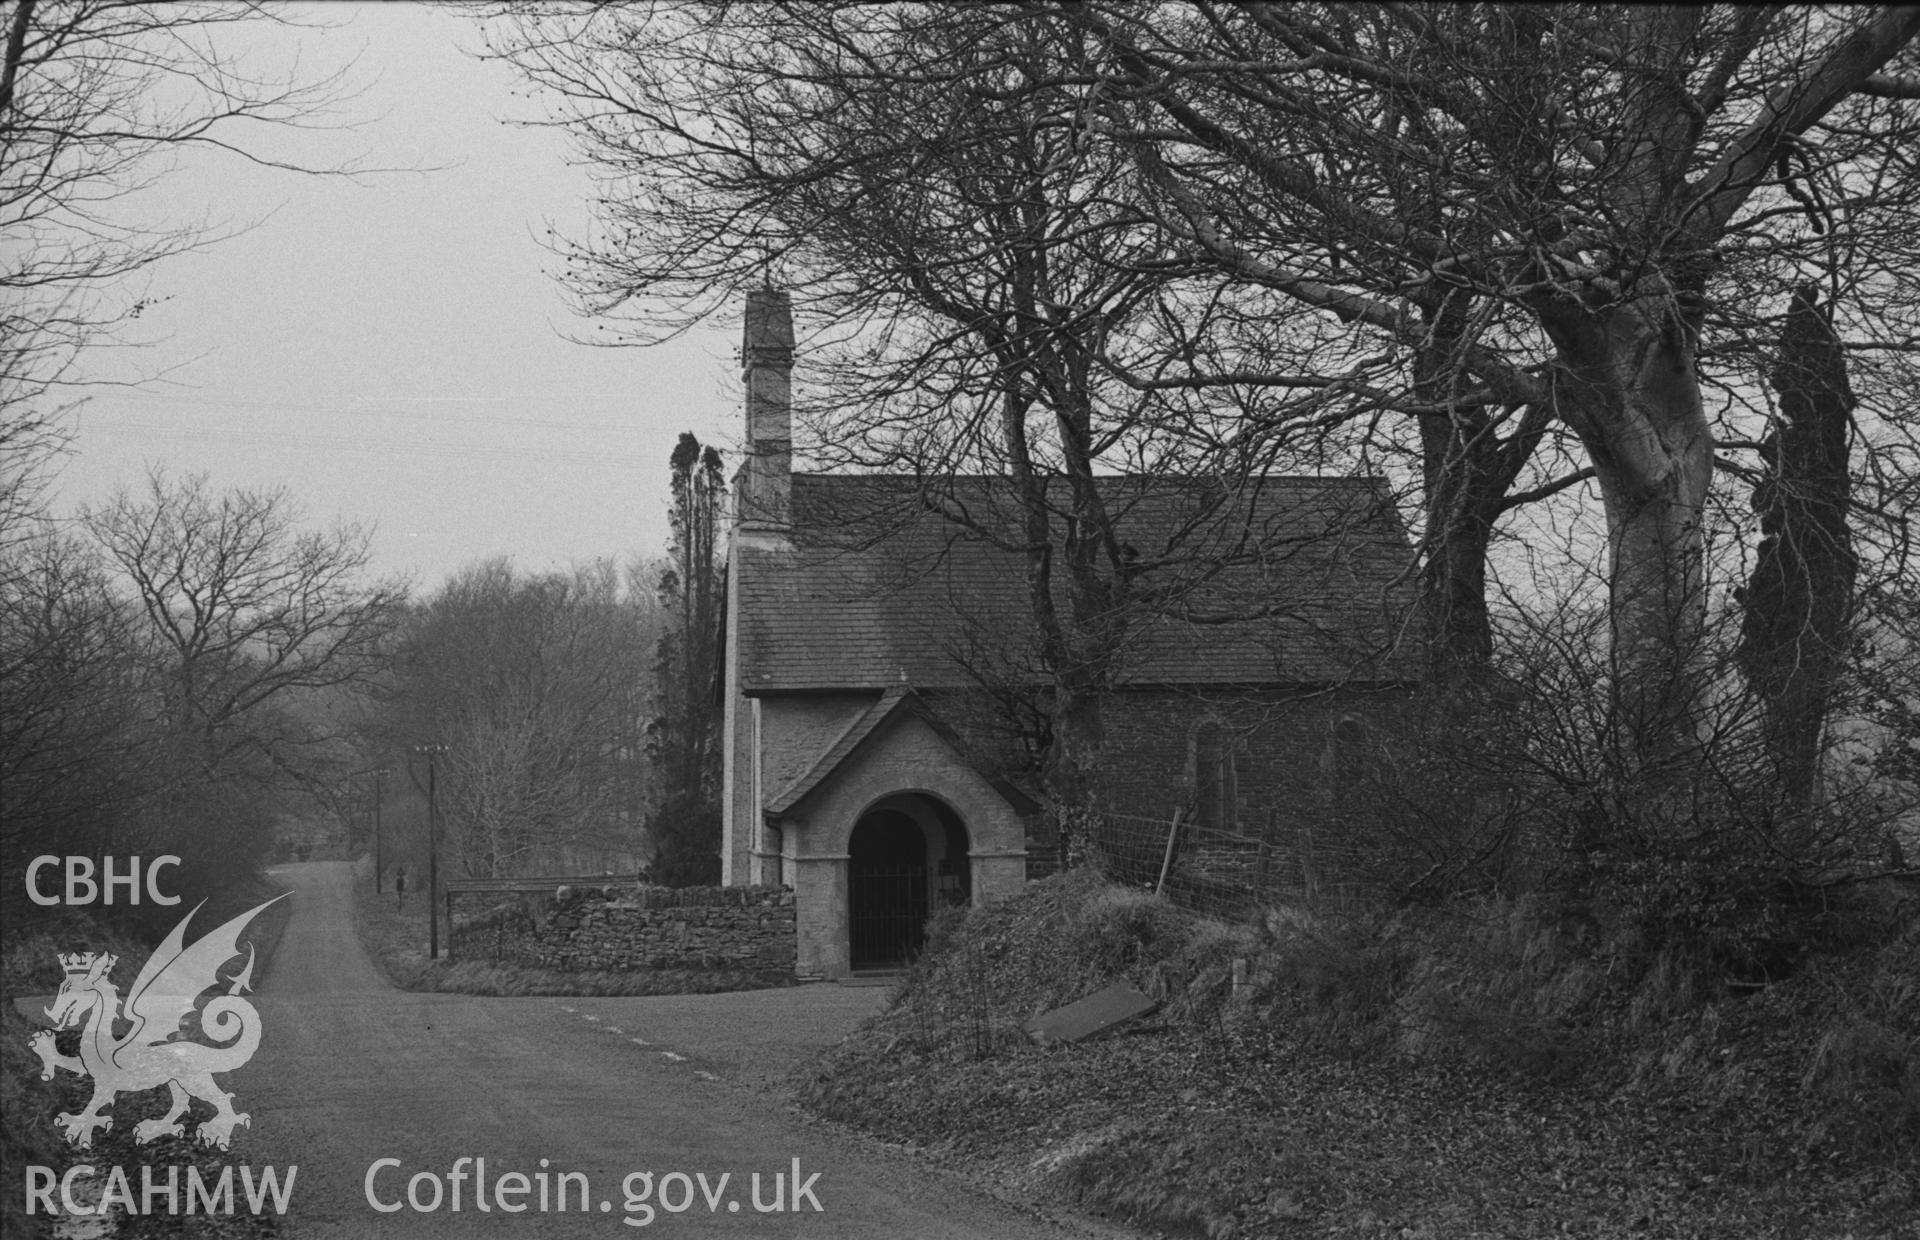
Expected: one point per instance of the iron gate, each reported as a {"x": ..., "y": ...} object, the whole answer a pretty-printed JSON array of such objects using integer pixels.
[{"x": 887, "y": 911}]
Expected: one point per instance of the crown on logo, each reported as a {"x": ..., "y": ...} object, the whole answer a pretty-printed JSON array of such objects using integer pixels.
[{"x": 79, "y": 962}]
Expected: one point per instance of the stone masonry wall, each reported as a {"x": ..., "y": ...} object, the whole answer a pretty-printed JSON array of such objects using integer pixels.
[
  {"x": 620, "y": 928},
  {"x": 1280, "y": 741}
]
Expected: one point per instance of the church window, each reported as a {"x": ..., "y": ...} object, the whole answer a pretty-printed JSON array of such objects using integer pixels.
[{"x": 1215, "y": 785}]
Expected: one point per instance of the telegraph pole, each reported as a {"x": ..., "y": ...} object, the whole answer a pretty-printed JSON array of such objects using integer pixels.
[
  {"x": 379, "y": 773},
  {"x": 433, "y": 851}
]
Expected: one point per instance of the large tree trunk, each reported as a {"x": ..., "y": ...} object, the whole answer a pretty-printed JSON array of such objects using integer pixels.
[
  {"x": 1464, "y": 486},
  {"x": 1656, "y": 606},
  {"x": 1628, "y": 388},
  {"x": 1072, "y": 764},
  {"x": 1077, "y": 647},
  {"x": 1466, "y": 473}
]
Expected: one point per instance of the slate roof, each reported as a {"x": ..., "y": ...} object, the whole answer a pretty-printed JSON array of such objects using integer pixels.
[{"x": 1283, "y": 581}]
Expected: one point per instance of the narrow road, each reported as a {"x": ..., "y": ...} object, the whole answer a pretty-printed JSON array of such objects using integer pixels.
[{"x": 352, "y": 1071}]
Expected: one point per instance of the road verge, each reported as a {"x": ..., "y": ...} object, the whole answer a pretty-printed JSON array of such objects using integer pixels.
[{"x": 1391, "y": 1073}]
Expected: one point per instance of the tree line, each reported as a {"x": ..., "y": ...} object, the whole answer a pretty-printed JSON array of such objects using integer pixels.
[
  {"x": 202, "y": 671},
  {"x": 571, "y": 713},
  {"x": 176, "y": 670},
  {"x": 193, "y": 671}
]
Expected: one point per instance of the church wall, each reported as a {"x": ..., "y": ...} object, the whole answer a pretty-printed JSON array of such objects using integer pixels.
[
  {"x": 796, "y": 731},
  {"x": 1282, "y": 742},
  {"x": 820, "y": 902},
  {"x": 762, "y": 509},
  {"x": 736, "y": 737}
]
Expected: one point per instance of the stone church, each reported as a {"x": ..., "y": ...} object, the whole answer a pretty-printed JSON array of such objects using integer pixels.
[{"x": 882, "y": 691}]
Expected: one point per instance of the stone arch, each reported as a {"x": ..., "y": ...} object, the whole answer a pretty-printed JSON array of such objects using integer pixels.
[
  {"x": 906, "y": 859},
  {"x": 909, "y": 766},
  {"x": 960, "y": 792}
]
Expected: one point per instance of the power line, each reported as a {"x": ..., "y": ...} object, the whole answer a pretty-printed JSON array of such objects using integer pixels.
[
  {"x": 603, "y": 458},
  {"x": 359, "y": 407}
]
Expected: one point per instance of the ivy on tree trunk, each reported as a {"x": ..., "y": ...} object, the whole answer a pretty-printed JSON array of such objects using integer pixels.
[{"x": 1799, "y": 600}]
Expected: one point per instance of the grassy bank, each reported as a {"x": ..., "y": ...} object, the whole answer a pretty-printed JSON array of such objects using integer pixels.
[
  {"x": 395, "y": 936},
  {"x": 29, "y": 967},
  {"x": 1406, "y": 1074}
]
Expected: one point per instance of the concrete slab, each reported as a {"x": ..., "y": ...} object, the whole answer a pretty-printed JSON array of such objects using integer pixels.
[{"x": 1100, "y": 1012}]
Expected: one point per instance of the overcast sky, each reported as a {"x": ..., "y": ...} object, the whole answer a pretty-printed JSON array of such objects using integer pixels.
[{"x": 394, "y": 351}]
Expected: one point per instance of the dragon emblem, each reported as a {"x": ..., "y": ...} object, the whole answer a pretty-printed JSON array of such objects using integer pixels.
[{"x": 155, "y": 1049}]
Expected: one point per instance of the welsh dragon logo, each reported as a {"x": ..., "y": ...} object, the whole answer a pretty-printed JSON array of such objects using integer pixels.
[{"x": 155, "y": 1051}]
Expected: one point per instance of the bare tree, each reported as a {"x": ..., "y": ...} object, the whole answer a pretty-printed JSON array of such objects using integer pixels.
[
  {"x": 1514, "y": 253},
  {"x": 1595, "y": 183},
  {"x": 76, "y": 745},
  {"x": 103, "y": 746},
  {"x": 165, "y": 672},
  {"x": 1005, "y": 299},
  {"x": 966, "y": 273},
  {"x": 97, "y": 99},
  {"x": 528, "y": 683},
  {"x": 243, "y": 608}
]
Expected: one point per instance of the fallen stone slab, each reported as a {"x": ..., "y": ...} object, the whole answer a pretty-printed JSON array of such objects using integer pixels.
[{"x": 1100, "y": 1012}]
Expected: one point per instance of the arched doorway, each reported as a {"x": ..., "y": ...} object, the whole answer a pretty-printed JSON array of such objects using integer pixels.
[
  {"x": 907, "y": 856},
  {"x": 886, "y": 888}
]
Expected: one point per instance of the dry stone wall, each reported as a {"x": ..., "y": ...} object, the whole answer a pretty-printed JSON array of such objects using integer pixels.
[{"x": 621, "y": 928}]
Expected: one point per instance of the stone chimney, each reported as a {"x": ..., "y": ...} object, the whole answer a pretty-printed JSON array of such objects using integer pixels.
[{"x": 764, "y": 486}]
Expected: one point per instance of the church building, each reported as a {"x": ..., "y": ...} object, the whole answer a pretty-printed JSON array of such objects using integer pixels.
[{"x": 879, "y": 649}]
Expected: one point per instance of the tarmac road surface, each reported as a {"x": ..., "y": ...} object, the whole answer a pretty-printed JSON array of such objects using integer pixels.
[{"x": 352, "y": 1071}]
